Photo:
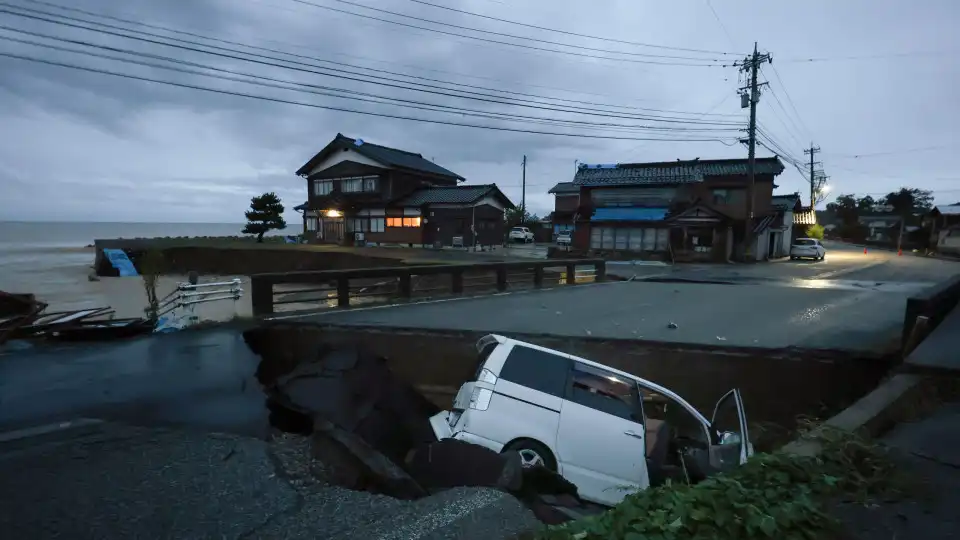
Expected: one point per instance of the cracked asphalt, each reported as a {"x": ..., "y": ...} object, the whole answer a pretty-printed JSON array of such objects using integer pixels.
[{"x": 117, "y": 481}]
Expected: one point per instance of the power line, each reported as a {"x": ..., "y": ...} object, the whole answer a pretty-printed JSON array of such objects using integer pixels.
[
  {"x": 512, "y": 36},
  {"x": 789, "y": 99},
  {"x": 883, "y": 56},
  {"x": 277, "y": 51},
  {"x": 891, "y": 152},
  {"x": 328, "y": 90},
  {"x": 335, "y": 72},
  {"x": 488, "y": 40},
  {"x": 717, "y": 17},
  {"x": 324, "y": 107},
  {"x": 297, "y": 46},
  {"x": 588, "y": 36}
]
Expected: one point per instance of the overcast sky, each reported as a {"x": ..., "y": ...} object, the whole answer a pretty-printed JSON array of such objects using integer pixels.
[{"x": 80, "y": 146}]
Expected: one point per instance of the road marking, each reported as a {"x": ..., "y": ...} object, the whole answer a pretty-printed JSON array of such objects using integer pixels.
[
  {"x": 842, "y": 271},
  {"x": 47, "y": 428}
]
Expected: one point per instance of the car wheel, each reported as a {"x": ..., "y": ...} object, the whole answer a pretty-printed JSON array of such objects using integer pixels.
[{"x": 533, "y": 454}]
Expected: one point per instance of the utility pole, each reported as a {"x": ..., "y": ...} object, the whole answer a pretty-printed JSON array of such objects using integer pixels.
[
  {"x": 813, "y": 180},
  {"x": 523, "y": 196},
  {"x": 752, "y": 65}
]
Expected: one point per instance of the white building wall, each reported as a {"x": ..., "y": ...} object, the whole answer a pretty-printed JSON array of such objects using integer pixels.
[{"x": 341, "y": 156}]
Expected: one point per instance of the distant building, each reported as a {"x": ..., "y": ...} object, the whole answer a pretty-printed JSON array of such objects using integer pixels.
[
  {"x": 360, "y": 192},
  {"x": 566, "y": 201},
  {"x": 943, "y": 221},
  {"x": 783, "y": 231},
  {"x": 685, "y": 210}
]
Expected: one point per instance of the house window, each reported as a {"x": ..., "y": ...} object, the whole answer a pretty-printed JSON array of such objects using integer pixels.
[
  {"x": 322, "y": 187},
  {"x": 727, "y": 196},
  {"x": 613, "y": 238},
  {"x": 351, "y": 185},
  {"x": 357, "y": 225},
  {"x": 403, "y": 222},
  {"x": 370, "y": 183},
  {"x": 376, "y": 224},
  {"x": 311, "y": 224}
]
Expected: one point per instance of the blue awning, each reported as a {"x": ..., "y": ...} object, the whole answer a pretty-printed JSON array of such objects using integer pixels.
[{"x": 629, "y": 214}]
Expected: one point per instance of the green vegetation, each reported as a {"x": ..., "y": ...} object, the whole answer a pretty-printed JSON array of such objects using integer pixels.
[
  {"x": 265, "y": 215},
  {"x": 815, "y": 231},
  {"x": 774, "y": 495}
]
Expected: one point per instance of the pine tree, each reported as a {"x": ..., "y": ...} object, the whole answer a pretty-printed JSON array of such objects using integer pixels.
[{"x": 265, "y": 214}]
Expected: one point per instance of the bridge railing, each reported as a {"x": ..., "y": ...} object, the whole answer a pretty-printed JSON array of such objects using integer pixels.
[{"x": 296, "y": 291}]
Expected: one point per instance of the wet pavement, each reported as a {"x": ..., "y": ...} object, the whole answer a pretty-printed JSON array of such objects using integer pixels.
[
  {"x": 748, "y": 315},
  {"x": 199, "y": 378}
]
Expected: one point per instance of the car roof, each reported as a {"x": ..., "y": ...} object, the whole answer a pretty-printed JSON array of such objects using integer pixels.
[
  {"x": 806, "y": 238},
  {"x": 660, "y": 389}
]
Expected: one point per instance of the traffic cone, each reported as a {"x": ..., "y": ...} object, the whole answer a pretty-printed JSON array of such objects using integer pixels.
[
  {"x": 899, "y": 253},
  {"x": 864, "y": 251}
]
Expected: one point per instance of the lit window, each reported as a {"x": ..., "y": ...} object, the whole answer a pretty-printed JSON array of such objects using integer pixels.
[{"x": 403, "y": 222}]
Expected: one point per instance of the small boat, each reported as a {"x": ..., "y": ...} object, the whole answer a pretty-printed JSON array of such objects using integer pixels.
[{"x": 105, "y": 330}]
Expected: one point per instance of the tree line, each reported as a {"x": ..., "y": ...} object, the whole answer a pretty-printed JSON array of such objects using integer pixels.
[{"x": 845, "y": 212}]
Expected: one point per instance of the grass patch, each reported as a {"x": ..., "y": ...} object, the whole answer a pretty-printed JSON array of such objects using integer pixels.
[{"x": 774, "y": 495}]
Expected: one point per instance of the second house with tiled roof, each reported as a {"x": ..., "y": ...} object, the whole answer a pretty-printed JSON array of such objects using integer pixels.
[{"x": 362, "y": 193}]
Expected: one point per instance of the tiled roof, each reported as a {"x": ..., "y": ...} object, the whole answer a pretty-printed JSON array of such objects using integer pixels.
[
  {"x": 392, "y": 157},
  {"x": 948, "y": 209},
  {"x": 302, "y": 207},
  {"x": 451, "y": 195},
  {"x": 673, "y": 172},
  {"x": 785, "y": 201},
  {"x": 564, "y": 188}
]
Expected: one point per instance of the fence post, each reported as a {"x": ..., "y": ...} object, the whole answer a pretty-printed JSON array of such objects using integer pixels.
[
  {"x": 456, "y": 277},
  {"x": 404, "y": 285},
  {"x": 343, "y": 291},
  {"x": 538, "y": 276},
  {"x": 261, "y": 296},
  {"x": 571, "y": 273},
  {"x": 501, "y": 278},
  {"x": 600, "y": 271}
]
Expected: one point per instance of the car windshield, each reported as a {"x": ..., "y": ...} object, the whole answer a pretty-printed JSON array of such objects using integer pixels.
[
  {"x": 517, "y": 229},
  {"x": 805, "y": 242},
  {"x": 564, "y": 233}
]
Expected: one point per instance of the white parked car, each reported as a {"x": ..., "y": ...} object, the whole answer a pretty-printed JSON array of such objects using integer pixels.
[
  {"x": 807, "y": 248},
  {"x": 521, "y": 234},
  {"x": 564, "y": 238},
  {"x": 608, "y": 432}
]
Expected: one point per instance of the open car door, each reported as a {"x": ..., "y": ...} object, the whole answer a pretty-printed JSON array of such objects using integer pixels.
[{"x": 730, "y": 445}]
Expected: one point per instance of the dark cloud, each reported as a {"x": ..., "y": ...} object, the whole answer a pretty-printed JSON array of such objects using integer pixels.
[{"x": 116, "y": 149}]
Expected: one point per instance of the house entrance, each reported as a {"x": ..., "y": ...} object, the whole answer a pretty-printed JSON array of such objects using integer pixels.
[{"x": 332, "y": 230}]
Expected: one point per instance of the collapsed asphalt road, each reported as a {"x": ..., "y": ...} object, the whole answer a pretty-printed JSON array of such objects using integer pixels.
[{"x": 371, "y": 432}]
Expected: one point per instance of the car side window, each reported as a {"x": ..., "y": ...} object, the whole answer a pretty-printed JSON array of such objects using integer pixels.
[
  {"x": 536, "y": 369},
  {"x": 605, "y": 391}
]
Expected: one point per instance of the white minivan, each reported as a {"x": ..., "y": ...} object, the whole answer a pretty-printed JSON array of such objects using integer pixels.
[{"x": 607, "y": 432}]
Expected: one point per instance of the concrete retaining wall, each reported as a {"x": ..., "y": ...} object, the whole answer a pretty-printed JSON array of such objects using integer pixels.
[
  {"x": 239, "y": 259},
  {"x": 934, "y": 303}
]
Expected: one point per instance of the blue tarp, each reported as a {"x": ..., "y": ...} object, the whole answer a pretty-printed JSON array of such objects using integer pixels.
[
  {"x": 119, "y": 260},
  {"x": 629, "y": 214}
]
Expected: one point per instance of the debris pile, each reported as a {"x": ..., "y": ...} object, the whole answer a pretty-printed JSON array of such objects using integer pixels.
[
  {"x": 22, "y": 316},
  {"x": 370, "y": 430}
]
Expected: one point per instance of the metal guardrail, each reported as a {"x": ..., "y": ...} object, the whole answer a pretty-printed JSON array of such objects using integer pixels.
[
  {"x": 187, "y": 295},
  {"x": 337, "y": 288}
]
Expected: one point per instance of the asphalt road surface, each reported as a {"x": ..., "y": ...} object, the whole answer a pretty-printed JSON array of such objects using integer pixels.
[{"x": 850, "y": 301}]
